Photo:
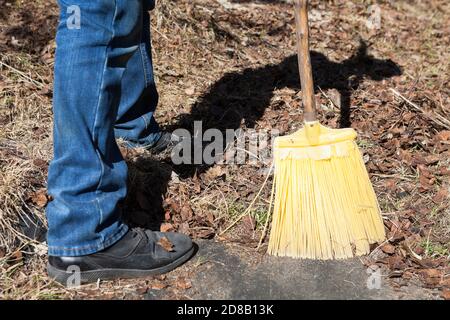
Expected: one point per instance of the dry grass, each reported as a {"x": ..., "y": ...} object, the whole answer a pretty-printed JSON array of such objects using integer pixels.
[{"x": 25, "y": 146}]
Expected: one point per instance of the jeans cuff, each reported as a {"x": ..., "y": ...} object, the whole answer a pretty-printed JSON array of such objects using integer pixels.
[
  {"x": 146, "y": 142},
  {"x": 89, "y": 248}
]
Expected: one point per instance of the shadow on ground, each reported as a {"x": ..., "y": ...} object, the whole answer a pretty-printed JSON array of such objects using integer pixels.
[
  {"x": 243, "y": 97},
  {"x": 28, "y": 31}
]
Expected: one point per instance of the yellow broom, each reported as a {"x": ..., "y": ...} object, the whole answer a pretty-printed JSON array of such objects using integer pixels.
[{"x": 325, "y": 206}]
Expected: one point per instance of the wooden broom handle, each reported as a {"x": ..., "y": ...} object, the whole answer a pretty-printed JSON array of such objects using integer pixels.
[{"x": 304, "y": 59}]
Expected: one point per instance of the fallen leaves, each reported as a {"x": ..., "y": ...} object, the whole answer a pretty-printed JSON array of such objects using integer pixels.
[
  {"x": 166, "y": 244},
  {"x": 249, "y": 223},
  {"x": 158, "y": 285},
  {"x": 426, "y": 178},
  {"x": 441, "y": 195},
  {"x": 446, "y": 294},
  {"x": 388, "y": 248},
  {"x": 214, "y": 173},
  {"x": 15, "y": 258},
  {"x": 400, "y": 141},
  {"x": 40, "y": 198},
  {"x": 431, "y": 277},
  {"x": 184, "y": 228},
  {"x": 204, "y": 232},
  {"x": 166, "y": 227},
  {"x": 444, "y": 135},
  {"x": 396, "y": 263},
  {"x": 430, "y": 273},
  {"x": 186, "y": 212},
  {"x": 183, "y": 284}
]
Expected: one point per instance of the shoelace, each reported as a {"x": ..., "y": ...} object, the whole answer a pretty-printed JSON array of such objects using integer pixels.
[
  {"x": 147, "y": 235},
  {"x": 138, "y": 231}
]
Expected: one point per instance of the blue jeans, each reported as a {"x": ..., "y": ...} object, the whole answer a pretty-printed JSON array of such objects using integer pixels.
[{"x": 103, "y": 89}]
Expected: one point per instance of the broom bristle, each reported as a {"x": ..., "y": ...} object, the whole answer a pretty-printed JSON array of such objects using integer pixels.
[{"x": 325, "y": 206}]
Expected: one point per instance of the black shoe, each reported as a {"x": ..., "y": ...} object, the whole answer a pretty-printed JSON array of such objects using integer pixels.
[
  {"x": 139, "y": 253},
  {"x": 165, "y": 144}
]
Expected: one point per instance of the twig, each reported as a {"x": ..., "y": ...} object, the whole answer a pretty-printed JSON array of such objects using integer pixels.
[
  {"x": 405, "y": 178},
  {"x": 380, "y": 245},
  {"x": 269, "y": 214},
  {"x": 36, "y": 83},
  {"x": 251, "y": 204},
  {"x": 329, "y": 99},
  {"x": 441, "y": 122},
  {"x": 161, "y": 34}
]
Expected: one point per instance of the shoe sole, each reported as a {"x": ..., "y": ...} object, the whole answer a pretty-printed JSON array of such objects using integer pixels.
[{"x": 63, "y": 276}]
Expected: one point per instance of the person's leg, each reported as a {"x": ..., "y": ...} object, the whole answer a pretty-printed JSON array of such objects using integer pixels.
[
  {"x": 87, "y": 177},
  {"x": 135, "y": 121}
]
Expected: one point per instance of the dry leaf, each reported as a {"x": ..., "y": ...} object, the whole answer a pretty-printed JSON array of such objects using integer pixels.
[
  {"x": 15, "y": 257},
  {"x": 419, "y": 250},
  {"x": 184, "y": 228},
  {"x": 446, "y": 283},
  {"x": 40, "y": 163},
  {"x": 197, "y": 186},
  {"x": 424, "y": 171},
  {"x": 158, "y": 285},
  {"x": 184, "y": 284},
  {"x": 214, "y": 173},
  {"x": 426, "y": 178},
  {"x": 166, "y": 244},
  {"x": 446, "y": 294},
  {"x": 174, "y": 206},
  {"x": 161, "y": 277},
  {"x": 210, "y": 217},
  {"x": 444, "y": 135},
  {"x": 406, "y": 157},
  {"x": 186, "y": 212},
  {"x": 206, "y": 233},
  {"x": 249, "y": 223},
  {"x": 39, "y": 198},
  {"x": 391, "y": 184},
  {"x": 396, "y": 262},
  {"x": 166, "y": 227},
  {"x": 190, "y": 91},
  {"x": 107, "y": 296},
  {"x": 167, "y": 215},
  {"x": 442, "y": 195},
  {"x": 388, "y": 248},
  {"x": 432, "y": 159},
  {"x": 431, "y": 282},
  {"x": 430, "y": 273}
]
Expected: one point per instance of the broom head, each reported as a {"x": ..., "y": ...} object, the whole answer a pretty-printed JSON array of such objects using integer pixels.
[{"x": 325, "y": 206}]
